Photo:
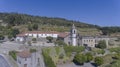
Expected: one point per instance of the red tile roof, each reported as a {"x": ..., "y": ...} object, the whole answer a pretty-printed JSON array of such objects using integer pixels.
[
  {"x": 24, "y": 54},
  {"x": 21, "y": 35},
  {"x": 63, "y": 35}
]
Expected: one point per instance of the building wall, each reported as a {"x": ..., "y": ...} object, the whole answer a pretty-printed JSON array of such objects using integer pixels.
[
  {"x": 91, "y": 42},
  {"x": 31, "y": 61},
  {"x": 41, "y": 35},
  {"x": 20, "y": 39},
  {"x": 88, "y": 42},
  {"x": 21, "y": 61}
]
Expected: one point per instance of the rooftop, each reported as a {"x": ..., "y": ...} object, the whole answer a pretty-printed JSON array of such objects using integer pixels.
[{"x": 24, "y": 54}]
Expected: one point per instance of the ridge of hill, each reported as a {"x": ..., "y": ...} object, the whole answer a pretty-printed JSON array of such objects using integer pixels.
[{"x": 21, "y": 19}]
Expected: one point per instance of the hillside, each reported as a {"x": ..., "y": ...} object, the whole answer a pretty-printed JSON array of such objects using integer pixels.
[
  {"x": 23, "y": 21},
  {"x": 19, "y": 19}
]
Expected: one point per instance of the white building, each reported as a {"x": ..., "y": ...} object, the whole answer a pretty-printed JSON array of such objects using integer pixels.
[
  {"x": 27, "y": 59},
  {"x": 38, "y": 34}
]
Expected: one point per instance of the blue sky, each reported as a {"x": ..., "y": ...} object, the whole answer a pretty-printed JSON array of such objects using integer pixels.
[{"x": 99, "y": 12}]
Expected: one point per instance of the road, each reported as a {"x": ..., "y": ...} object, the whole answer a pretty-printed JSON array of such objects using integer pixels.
[
  {"x": 41, "y": 61},
  {"x": 3, "y": 62}
]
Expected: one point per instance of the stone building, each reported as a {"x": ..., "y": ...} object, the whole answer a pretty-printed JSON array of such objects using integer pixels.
[{"x": 27, "y": 59}]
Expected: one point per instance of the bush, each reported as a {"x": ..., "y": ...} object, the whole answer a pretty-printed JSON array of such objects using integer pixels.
[
  {"x": 98, "y": 61},
  {"x": 13, "y": 54},
  {"x": 117, "y": 49},
  {"x": 60, "y": 43},
  {"x": 49, "y": 38},
  {"x": 48, "y": 60},
  {"x": 79, "y": 59},
  {"x": 101, "y": 44},
  {"x": 116, "y": 56},
  {"x": 34, "y": 40},
  {"x": 1, "y": 37},
  {"x": 33, "y": 50},
  {"x": 89, "y": 57}
]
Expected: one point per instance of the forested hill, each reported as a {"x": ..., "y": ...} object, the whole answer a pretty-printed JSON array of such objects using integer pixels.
[
  {"x": 20, "y": 19},
  {"x": 24, "y": 22}
]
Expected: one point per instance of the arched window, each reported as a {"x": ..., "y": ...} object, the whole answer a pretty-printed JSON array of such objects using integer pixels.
[{"x": 74, "y": 31}]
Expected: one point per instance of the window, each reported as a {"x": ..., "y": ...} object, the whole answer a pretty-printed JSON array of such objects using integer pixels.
[{"x": 74, "y": 31}]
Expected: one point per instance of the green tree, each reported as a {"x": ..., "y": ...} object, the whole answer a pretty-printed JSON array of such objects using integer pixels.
[
  {"x": 89, "y": 57},
  {"x": 1, "y": 37},
  {"x": 117, "y": 56},
  {"x": 35, "y": 26},
  {"x": 29, "y": 27},
  {"x": 79, "y": 59},
  {"x": 98, "y": 60},
  {"x": 101, "y": 44},
  {"x": 34, "y": 40},
  {"x": 49, "y": 38},
  {"x": 60, "y": 43}
]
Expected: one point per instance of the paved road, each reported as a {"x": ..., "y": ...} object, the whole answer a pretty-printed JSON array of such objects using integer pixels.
[
  {"x": 3, "y": 62},
  {"x": 41, "y": 61}
]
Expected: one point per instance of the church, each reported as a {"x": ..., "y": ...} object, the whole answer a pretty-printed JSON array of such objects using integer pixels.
[{"x": 70, "y": 38}]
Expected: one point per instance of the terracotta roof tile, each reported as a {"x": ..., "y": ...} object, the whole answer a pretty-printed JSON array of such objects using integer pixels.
[{"x": 24, "y": 54}]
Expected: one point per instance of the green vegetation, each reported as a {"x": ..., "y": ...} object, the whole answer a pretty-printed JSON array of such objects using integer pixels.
[
  {"x": 109, "y": 30},
  {"x": 116, "y": 49},
  {"x": 99, "y": 61},
  {"x": 60, "y": 43},
  {"x": 97, "y": 51},
  {"x": 89, "y": 57},
  {"x": 34, "y": 40},
  {"x": 33, "y": 50},
  {"x": 71, "y": 49},
  {"x": 47, "y": 59},
  {"x": 1, "y": 37},
  {"x": 101, "y": 44},
  {"x": 79, "y": 59},
  {"x": 13, "y": 54},
  {"x": 49, "y": 38}
]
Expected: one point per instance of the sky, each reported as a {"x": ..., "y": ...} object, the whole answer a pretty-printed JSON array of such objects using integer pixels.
[{"x": 97, "y": 12}]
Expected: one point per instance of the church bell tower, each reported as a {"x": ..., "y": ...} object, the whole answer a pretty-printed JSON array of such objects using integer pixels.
[{"x": 73, "y": 33}]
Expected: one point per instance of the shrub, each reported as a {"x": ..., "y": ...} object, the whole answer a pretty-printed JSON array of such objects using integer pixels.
[
  {"x": 13, "y": 54},
  {"x": 33, "y": 50},
  {"x": 48, "y": 60},
  {"x": 98, "y": 61},
  {"x": 89, "y": 57},
  {"x": 79, "y": 59},
  {"x": 101, "y": 44}
]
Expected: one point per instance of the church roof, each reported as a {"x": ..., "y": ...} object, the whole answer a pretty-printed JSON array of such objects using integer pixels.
[{"x": 63, "y": 35}]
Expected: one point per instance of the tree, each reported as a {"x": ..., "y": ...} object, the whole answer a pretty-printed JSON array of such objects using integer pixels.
[
  {"x": 60, "y": 43},
  {"x": 29, "y": 27},
  {"x": 35, "y": 26},
  {"x": 101, "y": 44},
  {"x": 49, "y": 38},
  {"x": 99, "y": 61},
  {"x": 34, "y": 40},
  {"x": 89, "y": 57},
  {"x": 116, "y": 56},
  {"x": 79, "y": 59},
  {"x": 1, "y": 37}
]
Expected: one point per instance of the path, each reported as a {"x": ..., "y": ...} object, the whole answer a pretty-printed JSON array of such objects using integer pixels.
[{"x": 3, "y": 62}]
